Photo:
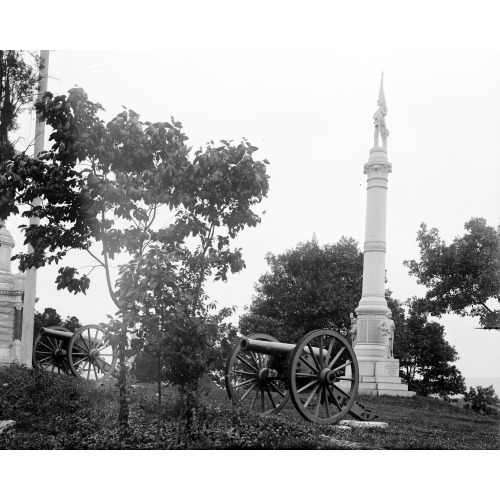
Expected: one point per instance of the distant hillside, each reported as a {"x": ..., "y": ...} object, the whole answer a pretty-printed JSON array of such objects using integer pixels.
[{"x": 484, "y": 382}]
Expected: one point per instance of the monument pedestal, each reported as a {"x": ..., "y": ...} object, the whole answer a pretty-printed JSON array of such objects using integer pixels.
[
  {"x": 11, "y": 303},
  {"x": 380, "y": 376}
]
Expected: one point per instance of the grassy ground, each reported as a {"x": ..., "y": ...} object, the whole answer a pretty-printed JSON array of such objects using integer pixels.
[{"x": 61, "y": 412}]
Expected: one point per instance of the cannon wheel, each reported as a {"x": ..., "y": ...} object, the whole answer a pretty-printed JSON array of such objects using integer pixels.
[
  {"x": 323, "y": 376},
  {"x": 250, "y": 384},
  {"x": 50, "y": 353},
  {"x": 90, "y": 354}
]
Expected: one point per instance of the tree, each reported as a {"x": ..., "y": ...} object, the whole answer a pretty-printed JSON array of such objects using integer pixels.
[
  {"x": 308, "y": 287},
  {"x": 104, "y": 184},
  {"x": 482, "y": 400},
  {"x": 425, "y": 356},
  {"x": 18, "y": 81},
  {"x": 463, "y": 277},
  {"x": 50, "y": 317}
]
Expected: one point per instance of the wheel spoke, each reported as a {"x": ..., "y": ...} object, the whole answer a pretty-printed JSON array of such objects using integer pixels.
[
  {"x": 302, "y": 389},
  {"x": 262, "y": 398},
  {"x": 87, "y": 346},
  {"x": 277, "y": 390},
  {"x": 316, "y": 362},
  {"x": 248, "y": 391},
  {"x": 54, "y": 346},
  {"x": 270, "y": 396},
  {"x": 254, "y": 360},
  {"x": 43, "y": 352},
  {"x": 254, "y": 399},
  {"x": 334, "y": 398},
  {"x": 330, "y": 347},
  {"x": 80, "y": 360},
  {"x": 332, "y": 362},
  {"x": 341, "y": 391},
  {"x": 347, "y": 363},
  {"x": 246, "y": 363},
  {"x": 308, "y": 400},
  {"x": 243, "y": 373},
  {"x": 241, "y": 384},
  {"x": 48, "y": 357},
  {"x": 308, "y": 364}
]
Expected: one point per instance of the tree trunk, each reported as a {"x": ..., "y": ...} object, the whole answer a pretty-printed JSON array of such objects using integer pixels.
[
  {"x": 179, "y": 425},
  {"x": 123, "y": 414},
  {"x": 158, "y": 426}
]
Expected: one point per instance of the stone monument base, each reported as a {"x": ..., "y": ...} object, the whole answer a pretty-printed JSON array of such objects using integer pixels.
[
  {"x": 380, "y": 377},
  {"x": 10, "y": 353}
]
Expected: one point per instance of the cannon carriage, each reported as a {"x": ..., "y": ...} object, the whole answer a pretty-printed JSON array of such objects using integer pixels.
[
  {"x": 86, "y": 353},
  {"x": 319, "y": 374}
]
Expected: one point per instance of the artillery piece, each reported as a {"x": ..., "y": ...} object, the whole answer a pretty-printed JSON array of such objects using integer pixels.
[
  {"x": 320, "y": 374},
  {"x": 86, "y": 353}
]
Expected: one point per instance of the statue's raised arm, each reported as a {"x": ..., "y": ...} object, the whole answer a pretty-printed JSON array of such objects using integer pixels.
[{"x": 379, "y": 117}]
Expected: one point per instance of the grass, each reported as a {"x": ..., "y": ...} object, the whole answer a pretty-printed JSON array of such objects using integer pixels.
[{"x": 61, "y": 412}]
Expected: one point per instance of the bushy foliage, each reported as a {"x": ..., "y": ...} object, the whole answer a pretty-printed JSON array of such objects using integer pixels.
[
  {"x": 18, "y": 80},
  {"x": 50, "y": 317},
  {"x": 306, "y": 288},
  {"x": 463, "y": 277},
  {"x": 483, "y": 400},
  {"x": 425, "y": 355}
]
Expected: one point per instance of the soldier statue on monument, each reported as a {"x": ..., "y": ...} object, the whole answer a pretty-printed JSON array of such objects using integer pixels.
[
  {"x": 387, "y": 327},
  {"x": 379, "y": 117}
]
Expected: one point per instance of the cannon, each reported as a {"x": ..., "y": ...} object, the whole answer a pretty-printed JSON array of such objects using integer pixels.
[
  {"x": 320, "y": 375},
  {"x": 87, "y": 353}
]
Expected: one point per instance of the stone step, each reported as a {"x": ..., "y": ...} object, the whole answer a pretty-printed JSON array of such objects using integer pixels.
[{"x": 387, "y": 380}]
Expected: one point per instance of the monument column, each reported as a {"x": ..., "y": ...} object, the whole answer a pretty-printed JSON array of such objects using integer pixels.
[{"x": 378, "y": 374}]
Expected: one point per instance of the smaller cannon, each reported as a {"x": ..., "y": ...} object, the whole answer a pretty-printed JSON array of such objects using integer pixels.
[
  {"x": 320, "y": 374},
  {"x": 86, "y": 353}
]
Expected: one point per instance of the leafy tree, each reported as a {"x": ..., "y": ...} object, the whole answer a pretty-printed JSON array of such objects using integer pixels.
[
  {"x": 308, "y": 287},
  {"x": 461, "y": 277},
  {"x": 50, "y": 317},
  {"x": 18, "y": 80},
  {"x": 104, "y": 184},
  {"x": 482, "y": 400},
  {"x": 425, "y": 356}
]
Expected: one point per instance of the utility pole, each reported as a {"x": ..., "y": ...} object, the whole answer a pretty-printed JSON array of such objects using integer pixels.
[{"x": 30, "y": 282}]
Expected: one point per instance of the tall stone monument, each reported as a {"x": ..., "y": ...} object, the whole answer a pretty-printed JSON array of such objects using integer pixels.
[
  {"x": 378, "y": 374},
  {"x": 11, "y": 302}
]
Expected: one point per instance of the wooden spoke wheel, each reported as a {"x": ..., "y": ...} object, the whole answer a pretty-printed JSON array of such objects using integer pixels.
[
  {"x": 323, "y": 376},
  {"x": 90, "y": 354},
  {"x": 50, "y": 353},
  {"x": 253, "y": 381}
]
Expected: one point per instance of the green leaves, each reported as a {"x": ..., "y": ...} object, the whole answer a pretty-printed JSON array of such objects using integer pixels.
[
  {"x": 308, "y": 287},
  {"x": 67, "y": 278},
  {"x": 462, "y": 277}
]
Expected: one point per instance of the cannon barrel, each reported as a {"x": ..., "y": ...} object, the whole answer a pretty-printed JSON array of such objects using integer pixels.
[
  {"x": 58, "y": 332},
  {"x": 265, "y": 347},
  {"x": 272, "y": 348}
]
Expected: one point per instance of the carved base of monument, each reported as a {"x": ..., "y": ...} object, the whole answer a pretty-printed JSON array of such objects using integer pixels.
[{"x": 380, "y": 377}]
